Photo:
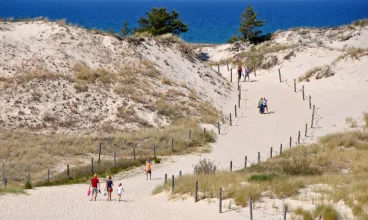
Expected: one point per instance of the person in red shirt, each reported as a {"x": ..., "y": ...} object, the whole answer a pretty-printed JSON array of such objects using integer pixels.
[{"x": 94, "y": 183}]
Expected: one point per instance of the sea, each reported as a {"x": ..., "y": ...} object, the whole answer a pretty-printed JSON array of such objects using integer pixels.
[{"x": 209, "y": 21}]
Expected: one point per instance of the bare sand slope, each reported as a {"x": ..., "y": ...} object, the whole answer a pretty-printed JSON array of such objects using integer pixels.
[{"x": 251, "y": 133}]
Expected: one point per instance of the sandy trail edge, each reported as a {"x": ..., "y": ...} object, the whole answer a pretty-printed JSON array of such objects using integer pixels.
[{"x": 250, "y": 134}]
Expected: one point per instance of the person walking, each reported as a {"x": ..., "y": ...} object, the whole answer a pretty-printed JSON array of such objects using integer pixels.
[
  {"x": 265, "y": 104},
  {"x": 148, "y": 169},
  {"x": 246, "y": 74},
  {"x": 108, "y": 188},
  {"x": 260, "y": 106},
  {"x": 94, "y": 183},
  {"x": 240, "y": 70},
  {"x": 120, "y": 191}
]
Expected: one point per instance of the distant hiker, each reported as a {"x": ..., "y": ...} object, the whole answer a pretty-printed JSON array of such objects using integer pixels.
[
  {"x": 240, "y": 70},
  {"x": 265, "y": 104},
  {"x": 120, "y": 190},
  {"x": 148, "y": 169},
  {"x": 260, "y": 106},
  {"x": 94, "y": 183},
  {"x": 108, "y": 188},
  {"x": 246, "y": 74}
]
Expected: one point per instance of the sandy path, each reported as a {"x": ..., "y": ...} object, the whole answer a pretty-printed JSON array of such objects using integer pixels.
[{"x": 250, "y": 134}]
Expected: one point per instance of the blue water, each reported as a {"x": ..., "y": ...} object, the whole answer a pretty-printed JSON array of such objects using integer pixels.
[{"x": 208, "y": 21}]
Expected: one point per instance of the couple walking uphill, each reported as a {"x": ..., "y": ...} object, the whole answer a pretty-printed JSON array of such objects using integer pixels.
[
  {"x": 262, "y": 105},
  {"x": 246, "y": 73},
  {"x": 95, "y": 184}
]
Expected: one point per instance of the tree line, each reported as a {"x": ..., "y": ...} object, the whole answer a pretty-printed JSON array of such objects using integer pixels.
[{"x": 159, "y": 22}]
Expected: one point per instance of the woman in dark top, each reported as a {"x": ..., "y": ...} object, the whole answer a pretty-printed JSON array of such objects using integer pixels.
[{"x": 109, "y": 186}]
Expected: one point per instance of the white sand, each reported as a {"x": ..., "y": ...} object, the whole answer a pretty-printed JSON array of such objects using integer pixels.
[{"x": 337, "y": 97}]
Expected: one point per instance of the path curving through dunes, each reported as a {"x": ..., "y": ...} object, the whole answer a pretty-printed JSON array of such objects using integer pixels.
[{"x": 251, "y": 133}]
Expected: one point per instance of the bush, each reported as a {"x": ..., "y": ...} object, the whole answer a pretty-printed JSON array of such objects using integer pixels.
[
  {"x": 327, "y": 212},
  {"x": 300, "y": 166},
  {"x": 28, "y": 185},
  {"x": 157, "y": 160},
  {"x": 204, "y": 167}
]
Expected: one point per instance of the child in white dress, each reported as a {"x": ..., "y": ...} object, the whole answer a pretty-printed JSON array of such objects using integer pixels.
[{"x": 120, "y": 191}]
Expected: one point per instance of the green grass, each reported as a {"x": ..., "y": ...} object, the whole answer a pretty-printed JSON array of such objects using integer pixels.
[
  {"x": 327, "y": 212},
  {"x": 12, "y": 189}
]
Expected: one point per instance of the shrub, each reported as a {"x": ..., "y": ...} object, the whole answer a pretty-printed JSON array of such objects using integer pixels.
[
  {"x": 365, "y": 118},
  {"x": 327, "y": 212},
  {"x": 351, "y": 122},
  {"x": 204, "y": 167},
  {"x": 157, "y": 160},
  {"x": 28, "y": 185},
  {"x": 309, "y": 74},
  {"x": 300, "y": 166}
]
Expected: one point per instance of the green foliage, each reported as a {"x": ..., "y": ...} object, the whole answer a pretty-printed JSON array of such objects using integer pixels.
[
  {"x": 233, "y": 39},
  {"x": 28, "y": 185},
  {"x": 125, "y": 30},
  {"x": 157, "y": 160},
  {"x": 327, "y": 212},
  {"x": 300, "y": 167},
  {"x": 262, "y": 177},
  {"x": 111, "y": 31},
  {"x": 249, "y": 23},
  {"x": 159, "y": 22}
]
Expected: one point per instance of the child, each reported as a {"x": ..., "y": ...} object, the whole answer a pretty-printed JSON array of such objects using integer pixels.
[{"x": 120, "y": 191}]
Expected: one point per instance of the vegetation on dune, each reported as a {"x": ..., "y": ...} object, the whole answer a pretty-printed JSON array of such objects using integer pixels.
[
  {"x": 159, "y": 22},
  {"x": 248, "y": 28},
  {"x": 337, "y": 160}
]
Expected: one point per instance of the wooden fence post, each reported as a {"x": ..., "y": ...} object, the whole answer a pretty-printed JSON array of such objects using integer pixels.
[
  {"x": 134, "y": 153},
  {"x": 298, "y": 137},
  {"x": 280, "y": 149},
  {"x": 285, "y": 210},
  {"x": 227, "y": 64},
  {"x": 294, "y": 85},
  {"x": 196, "y": 192},
  {"x": 235, "y": 112},
  {"x": 306, "y": 130},
  {"x": 290, "y": 142},
  {"x": 280, "y": 75},
  {"x": 5, "y": 182},
  {"x": 240, "y": 92},
  {"x": 172, "y": 143},
  {"x": 180, "y": 173},
  {"x": 4, "y": 171},
  {"x": 310, "y": 102},
  {"x": 231, "y": 75},
  {"x": 245, "y": 162},
  {"x": 204, "y": 130},
  {"x": 115, "y": 160},
  {"x": 214, "y": 169},
  {"x": 303, "y": 92},
  {"x": 218, "y": 127},
  {"x": 165, "y": 177},
  {"x": 99, "y": 153},
  {"x": 220, "y": 204},
  {"x": 67, "y": 171},
  {"x": 239, "y": 100},
  {"x": 92, "y": 165},
  {"x": 255, "y": 73},
  {"x": 29, "y": 177},
  {"x": 231, "y": 166},
  {"x": 172, "y": 184},
  {"x": 314, "y": 108},
  {"x": 231, "y": 123},
  {"x": 48, "y": 175},
  {"x": 218, "y": 68},
  {"x": 259, "y": 157},
  {"x": 271, "y": 152},
  {"x": 190, "y": 134},
  {"x": 251, "y": 208}
]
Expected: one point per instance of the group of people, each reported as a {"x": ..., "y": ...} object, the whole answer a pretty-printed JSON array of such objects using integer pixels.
[
  {"x": 246, "y": 73},
  {"x": 262, "y": 105},
  {"x": 95, "y": 188}
]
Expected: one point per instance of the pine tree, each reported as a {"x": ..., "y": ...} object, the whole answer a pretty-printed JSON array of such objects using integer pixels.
[
  {"x": 159, "y": 22},
  {"x": 248, "y": 23},
  {"x": 125, "y": 30}
]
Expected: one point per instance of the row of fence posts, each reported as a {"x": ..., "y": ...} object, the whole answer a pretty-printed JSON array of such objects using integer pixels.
[{"x": 4, "y": 180}]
